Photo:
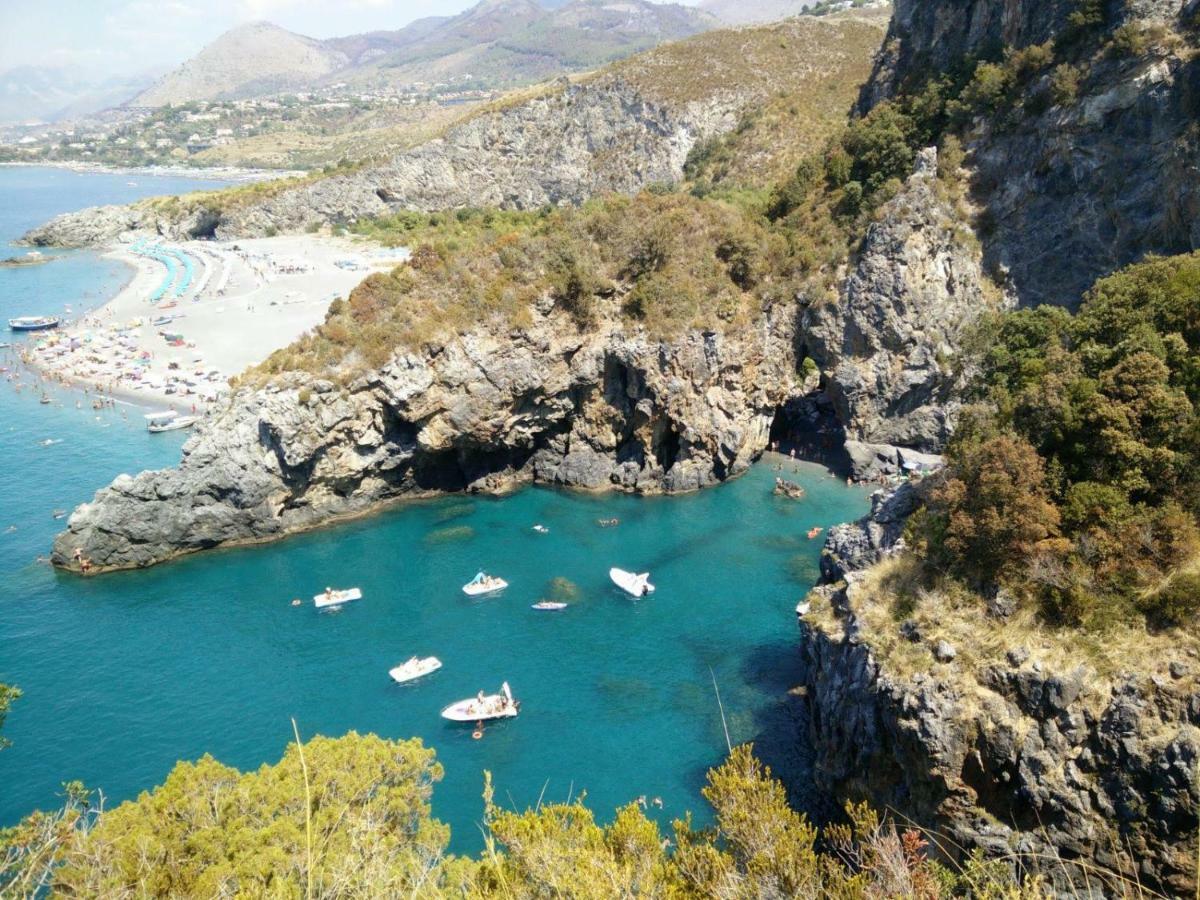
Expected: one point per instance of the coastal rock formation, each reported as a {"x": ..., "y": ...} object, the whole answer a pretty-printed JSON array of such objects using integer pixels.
[
  {"x": 1088, "y": 184},
  {"x": 1088, "y": 187},
  {"x": 606, "y": 409},
  {"x": 572, "y": 143},
  {"x": 890, "y": 344},
  {"x": 1029, "y": 756},
  {"x": 562, "y": 147}
]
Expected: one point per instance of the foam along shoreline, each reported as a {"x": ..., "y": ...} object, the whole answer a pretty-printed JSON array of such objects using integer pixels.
[{"x": 221, "y": 307}]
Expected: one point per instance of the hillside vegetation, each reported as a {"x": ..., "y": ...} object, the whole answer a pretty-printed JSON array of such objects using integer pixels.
[
  {"x": 212, "y": 831},
  {"x": 1074, "y": 482}
]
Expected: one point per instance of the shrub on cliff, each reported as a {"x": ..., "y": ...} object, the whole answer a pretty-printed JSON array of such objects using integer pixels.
[
  {"x": 1097, "y": 424},
  {"x": 995, "y": 508}
]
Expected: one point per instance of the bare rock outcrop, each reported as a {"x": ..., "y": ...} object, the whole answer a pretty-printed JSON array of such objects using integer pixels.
[
  {"x": 570, "y": 143},
  {"x": 488, "y": 411},
  {"x": 1086, "y": 185},
  {"x": 891, "y": 344}
]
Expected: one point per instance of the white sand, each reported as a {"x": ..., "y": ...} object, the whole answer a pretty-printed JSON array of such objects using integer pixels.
[{"x": 276, "y": 289}]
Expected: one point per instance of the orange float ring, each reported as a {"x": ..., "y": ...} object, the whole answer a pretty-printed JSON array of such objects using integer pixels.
[{"x": 477, "y": 734}]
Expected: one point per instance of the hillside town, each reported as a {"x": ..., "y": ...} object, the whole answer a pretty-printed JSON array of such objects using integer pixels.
[{"x": 300, "y": 130}]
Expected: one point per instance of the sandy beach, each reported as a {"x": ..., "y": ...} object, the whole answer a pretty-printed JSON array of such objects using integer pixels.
[{"x": 198, "y": 312}]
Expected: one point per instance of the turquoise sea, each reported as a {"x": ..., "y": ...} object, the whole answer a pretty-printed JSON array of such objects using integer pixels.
[{"x": 127, "y": 673}]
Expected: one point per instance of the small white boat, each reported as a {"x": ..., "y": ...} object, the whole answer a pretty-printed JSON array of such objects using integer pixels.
[
  {"x": 33, "y": 323},
  {"x": 170, "y": 420},
  {"x": 415, "y": 668},
  {"x": 482, "y": 708},
  {"x": 484, "y": 584},
  {"x": 541, "y": 529},
  {"x": 549, "y": 606},
  {"x": 336, "y": 598},
  {"x": 637, "y": 585}
]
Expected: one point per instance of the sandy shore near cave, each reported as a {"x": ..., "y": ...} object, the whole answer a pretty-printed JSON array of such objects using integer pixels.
[{"x": 274, "y": 290}]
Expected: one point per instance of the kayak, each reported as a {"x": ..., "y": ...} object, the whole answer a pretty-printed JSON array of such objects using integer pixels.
[
  {"x": 335, "y": 598},
  {"x": 549, "y": 606},
  {"x": 636, "y": 585},
  {"x": 480, "y": 709},
  {"x": 415, "y": 668}
]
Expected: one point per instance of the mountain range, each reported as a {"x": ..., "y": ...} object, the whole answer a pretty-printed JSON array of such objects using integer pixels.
[
  {"x": 45, "y": 93},
  {"x": 497, "y": 43}
]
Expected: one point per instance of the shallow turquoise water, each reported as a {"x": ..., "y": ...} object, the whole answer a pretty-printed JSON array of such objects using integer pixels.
[{"x": 127, "y": 673}]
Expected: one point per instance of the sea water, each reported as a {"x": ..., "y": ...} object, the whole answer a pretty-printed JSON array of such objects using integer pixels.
[{"x": 125, "y": 674}]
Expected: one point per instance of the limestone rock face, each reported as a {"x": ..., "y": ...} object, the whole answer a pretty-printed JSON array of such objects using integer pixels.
[
  {"x": 1021, "y": 757},
  {"x": 928, "y": 35},
  {"x": 569, "y": 144},
  {"x": 1081, "y": 189},
  {"x": 488, "y": 411},
  {"x": 889, "y": 346}
]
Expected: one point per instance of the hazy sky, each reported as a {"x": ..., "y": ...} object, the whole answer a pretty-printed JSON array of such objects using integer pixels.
[{"x": 123, "y": 36}]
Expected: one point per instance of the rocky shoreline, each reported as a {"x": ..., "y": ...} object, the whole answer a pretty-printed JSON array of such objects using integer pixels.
[
  {"x": 485, "y": 413},
  {"x": 1051, "y": 767}
]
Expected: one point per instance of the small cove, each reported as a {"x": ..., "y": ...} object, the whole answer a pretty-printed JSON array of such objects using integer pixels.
[{"x": 127, "y": 673}]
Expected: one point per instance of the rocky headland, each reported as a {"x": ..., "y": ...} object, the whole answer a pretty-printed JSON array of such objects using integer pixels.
[
  {"x": 1064, "y": 754},
  {"x": 486, "y": 412},
  {"x": 617, "y": 131},
  {"x": 607, "y": 407}
]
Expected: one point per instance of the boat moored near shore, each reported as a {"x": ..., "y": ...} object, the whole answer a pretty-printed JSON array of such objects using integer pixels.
[
  {"x": 330, "y": 597},
  {"x": 168, "y": 420},
  {"x": 34, "y": 323},
  {"x": 415, "y": 668}
]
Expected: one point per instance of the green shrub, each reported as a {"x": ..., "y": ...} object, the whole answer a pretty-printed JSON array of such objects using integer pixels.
[
  {"x": 1177, "y": 604},
  {"x": 1064, "y": 84}
]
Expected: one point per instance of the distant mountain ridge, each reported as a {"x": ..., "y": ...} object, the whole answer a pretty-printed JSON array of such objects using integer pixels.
[
  {"x": 44, "y": 93},
  {"x": 497, "y": 43}
]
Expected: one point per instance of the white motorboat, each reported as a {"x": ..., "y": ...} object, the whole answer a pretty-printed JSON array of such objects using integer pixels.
[
  {"x": 33, "y": 323},
  {"x": 541, "y": 529},
  {"x": 484, "y": 584},
  {"x": 637, "y": 585},
  {"x": 482, "y": 708},
  {"x": 549, "y": 606},
  {"x": 330, "y": 597},
  {"x": 169, "y": 420},
  {"x": 415, "y": 668}
]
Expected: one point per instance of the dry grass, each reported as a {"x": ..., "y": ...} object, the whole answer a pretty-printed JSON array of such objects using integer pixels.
[
  {"x": 371, "y": 136},
  {"x": 896, "y": 590}
]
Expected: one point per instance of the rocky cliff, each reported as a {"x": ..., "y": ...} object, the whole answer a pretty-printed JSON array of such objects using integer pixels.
[
  {"x": 890, "y": 346},
  {"x": 1079, "y": 765},
  {"x": 486, "y": 412},
  {"x": 1098, "y": 178},
  {"x": 566, "y": 145}
]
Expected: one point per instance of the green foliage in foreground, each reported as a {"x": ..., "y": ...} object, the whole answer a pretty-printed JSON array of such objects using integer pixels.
[
  {"x": 1076, "y": 481},
  {"x": 366, "y": 831}
]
